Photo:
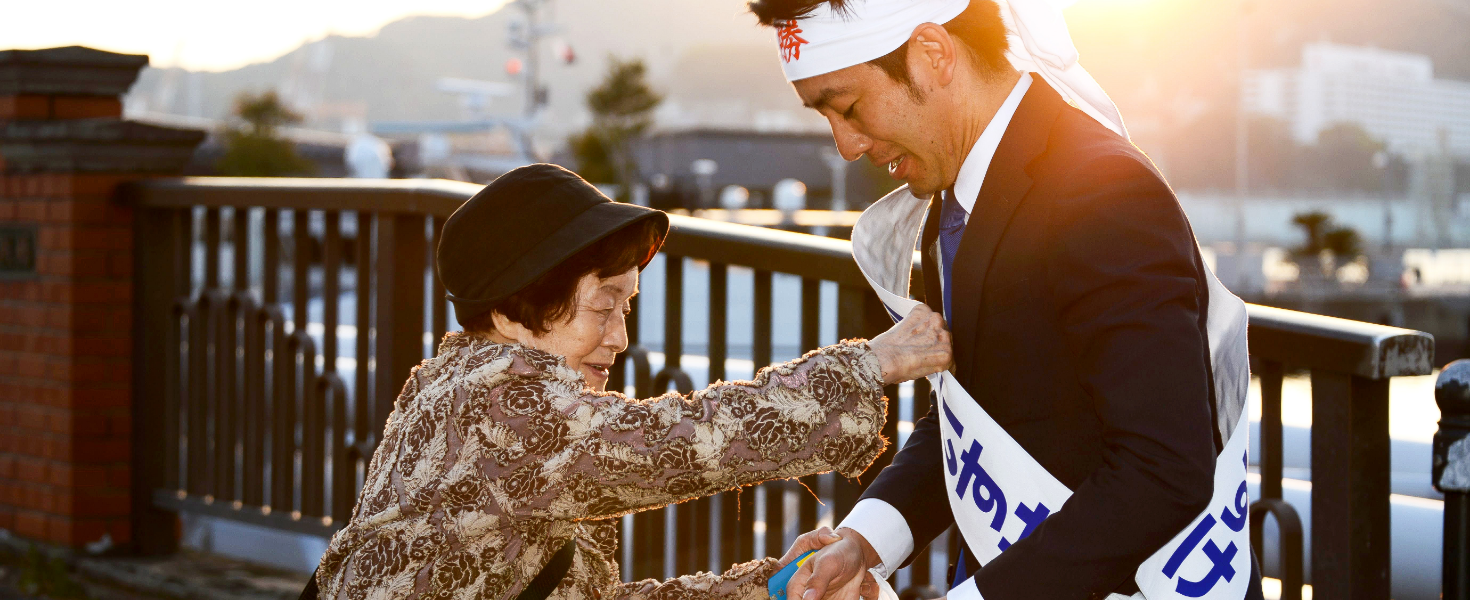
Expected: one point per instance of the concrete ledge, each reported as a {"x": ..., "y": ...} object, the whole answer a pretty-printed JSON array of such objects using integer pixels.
[
  {"x": 95, "y": 146},
  {"x": 70, "y": 70}
]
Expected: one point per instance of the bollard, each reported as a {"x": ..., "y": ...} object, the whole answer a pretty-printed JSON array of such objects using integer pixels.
[{"x": 1451, "y": 473}]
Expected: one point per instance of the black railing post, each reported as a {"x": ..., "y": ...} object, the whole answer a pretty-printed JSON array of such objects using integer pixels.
[
  {"x": 440, "y": 324},
  {"x": 1271, "y": 458},
  {"x": 860, "y": 314},
  {"x": 774, "y": 491},
  {"x": 1288, "y": 523},
  {"x": 676, "y": 518},
  {"x": 1350, "y": 486},
  {"x": 1289, "y": 543},
  {"x": 161, "y": 276},
  {"x": 1451, "y": 473},
  {"x": 811, "y": 328},
  {"x": 364, "y": 436},
  {"x": 400, "y": 256}
]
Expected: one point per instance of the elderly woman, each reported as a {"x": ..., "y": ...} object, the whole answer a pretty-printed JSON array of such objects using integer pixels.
[{"x": 504, "y": 464}]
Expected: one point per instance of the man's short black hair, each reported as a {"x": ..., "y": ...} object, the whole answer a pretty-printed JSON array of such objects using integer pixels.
[{"x": 979, "y": 27}]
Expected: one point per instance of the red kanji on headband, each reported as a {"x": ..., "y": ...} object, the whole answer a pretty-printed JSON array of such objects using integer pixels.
[{"x": 789, "y": 36}]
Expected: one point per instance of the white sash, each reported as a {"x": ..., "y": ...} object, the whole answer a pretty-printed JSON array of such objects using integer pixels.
[{"x": 999, "y": 493}]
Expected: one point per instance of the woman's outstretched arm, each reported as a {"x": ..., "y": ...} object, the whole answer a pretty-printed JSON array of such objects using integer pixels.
[
  {"x": 742, "y": 581},
  {"x": 561, "y": 453},
  {"x": 552, "y": 450}
]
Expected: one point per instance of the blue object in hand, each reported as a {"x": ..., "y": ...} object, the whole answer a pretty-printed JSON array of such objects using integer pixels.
[{"x": 776, "y": 586}]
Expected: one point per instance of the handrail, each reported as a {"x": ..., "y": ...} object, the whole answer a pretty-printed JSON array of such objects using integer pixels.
[
  {"x": 1296, "y": 338},
  {"x": 438, "y": 197},
  {"x": 1316, "y": 341},
  {"x": 744, "y": 245},
  {"x": 770, "y": 249}
]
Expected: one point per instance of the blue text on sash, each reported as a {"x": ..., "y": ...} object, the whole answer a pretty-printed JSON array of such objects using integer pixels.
[
  {"x": 982, "y": 489},
  {"x": 1233, "y": 518}
]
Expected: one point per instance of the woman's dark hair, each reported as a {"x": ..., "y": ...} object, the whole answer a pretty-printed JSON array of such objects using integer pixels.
[
  {"x": 979, "y": 27},
  {"x": 552, "y": 296}
]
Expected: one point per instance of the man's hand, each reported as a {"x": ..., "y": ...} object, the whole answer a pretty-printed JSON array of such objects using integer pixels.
[{"x": 839, "y": 570}]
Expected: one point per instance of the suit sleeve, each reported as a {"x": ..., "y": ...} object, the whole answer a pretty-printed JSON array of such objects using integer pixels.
[
  {"x": 1126, "y": 286},
  {"x": 913, "y": 484}
]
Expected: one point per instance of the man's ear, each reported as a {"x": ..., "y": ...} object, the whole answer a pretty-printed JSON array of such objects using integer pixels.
[{"x": 933, "y": 51}]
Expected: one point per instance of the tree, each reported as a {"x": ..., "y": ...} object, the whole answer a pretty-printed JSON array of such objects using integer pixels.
[
  {"x": 1342, "y": 160},
  {"x": 594, "y": 163},
  {"x": 1314, "y": 226},
  {"x": 1328, "y": 247},
  {"x": 622, "y": 109},
  {"x": 254, "y": 148}
]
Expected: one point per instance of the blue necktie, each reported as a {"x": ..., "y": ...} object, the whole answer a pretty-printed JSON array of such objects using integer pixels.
[{"x": 951, "y": 230}]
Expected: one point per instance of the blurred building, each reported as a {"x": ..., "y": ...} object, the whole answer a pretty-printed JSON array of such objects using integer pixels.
[
  {"x": 754, "y": 160},
  {"x": 1391, "y": 95}
]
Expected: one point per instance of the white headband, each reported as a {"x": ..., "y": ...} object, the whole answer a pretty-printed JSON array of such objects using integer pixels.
[{"x": 825, "y": 41}]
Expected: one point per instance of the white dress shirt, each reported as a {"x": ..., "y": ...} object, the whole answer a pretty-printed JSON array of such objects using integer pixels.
[{"x": 879, "y": 522}]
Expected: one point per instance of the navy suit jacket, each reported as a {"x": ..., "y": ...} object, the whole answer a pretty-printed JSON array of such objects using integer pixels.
[{"x": 1079, "y": 325}]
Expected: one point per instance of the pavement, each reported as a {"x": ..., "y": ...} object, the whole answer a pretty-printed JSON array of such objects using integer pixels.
[{"x": 33, "y": 571}]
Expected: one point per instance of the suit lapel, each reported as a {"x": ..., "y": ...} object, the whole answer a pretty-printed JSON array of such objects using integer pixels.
[{"x": 1006, "y": 184}]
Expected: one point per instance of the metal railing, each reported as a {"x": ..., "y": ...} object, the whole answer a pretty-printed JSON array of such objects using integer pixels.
[
  {"x": 254, "y": 414},
  {"x": 1451, "y": 472},
  {"x": 1351, "y": 363}
]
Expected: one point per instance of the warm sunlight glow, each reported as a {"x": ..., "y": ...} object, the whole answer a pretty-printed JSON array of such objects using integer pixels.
[
  {"x": 1130, "y": 4},
  {"x": 1120, "y": 11},
  {"x": 1110, "y": 24}
]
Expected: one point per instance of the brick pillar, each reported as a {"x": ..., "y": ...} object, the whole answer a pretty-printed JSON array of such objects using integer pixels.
[{"x": 66, "y": 289}]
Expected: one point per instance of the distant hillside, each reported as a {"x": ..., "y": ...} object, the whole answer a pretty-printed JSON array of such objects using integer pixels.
[
  {"x": 1170, "y": 64},
  {"x": 392, "y": 73}
]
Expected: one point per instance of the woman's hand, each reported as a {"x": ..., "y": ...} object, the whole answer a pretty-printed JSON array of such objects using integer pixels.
[
  {"x": 917, "y": 346},
  {"x": 807, "y": 542}
]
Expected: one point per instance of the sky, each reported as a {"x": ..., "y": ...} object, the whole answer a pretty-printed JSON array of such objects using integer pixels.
[{"x": 208, "y": 35}]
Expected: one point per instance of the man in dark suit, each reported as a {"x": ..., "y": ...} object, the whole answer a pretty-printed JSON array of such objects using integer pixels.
[{"x": 1069, "y": 276}]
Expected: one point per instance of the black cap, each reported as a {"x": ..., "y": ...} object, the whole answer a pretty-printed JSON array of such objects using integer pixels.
[{"x": 522, "y": 225}]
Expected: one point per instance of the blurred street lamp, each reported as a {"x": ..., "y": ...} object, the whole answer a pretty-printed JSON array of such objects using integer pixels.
[
  {"x": 1242, "y": 148},
  {"x": 704, "y": 172},
  {"x": 788, "y": 197},
  {"x": 526, "y": 36},
  {"x": 838, "y": 165},
  {"x": 1380, "y": 162},
  {"x": 366, "y": 155},
  {"x": 734, "y": 197},
  {"x": 565, "y": 52}
]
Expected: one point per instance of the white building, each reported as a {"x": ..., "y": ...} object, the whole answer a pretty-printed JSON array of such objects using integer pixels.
[{"x": 1392, "y": 95}]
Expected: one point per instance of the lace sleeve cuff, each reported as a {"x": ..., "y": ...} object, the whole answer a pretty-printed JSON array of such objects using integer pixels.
[{"x": 862, "y": 361}]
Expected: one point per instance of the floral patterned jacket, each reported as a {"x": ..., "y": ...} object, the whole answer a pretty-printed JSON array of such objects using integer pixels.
[{"x": 496, "y": 455}]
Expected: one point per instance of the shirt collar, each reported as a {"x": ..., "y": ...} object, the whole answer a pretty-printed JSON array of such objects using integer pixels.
[{"x": 977, "y": 162}]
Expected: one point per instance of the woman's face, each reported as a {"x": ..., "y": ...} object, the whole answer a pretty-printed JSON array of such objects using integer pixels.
[{"x": 596, "y": 331}]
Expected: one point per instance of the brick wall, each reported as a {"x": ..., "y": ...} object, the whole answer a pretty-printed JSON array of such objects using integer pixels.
[
  {"x": 65, "y": 362},
  {"x": 66, "y": 323},
  {"x": 38, "y": 106}
]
